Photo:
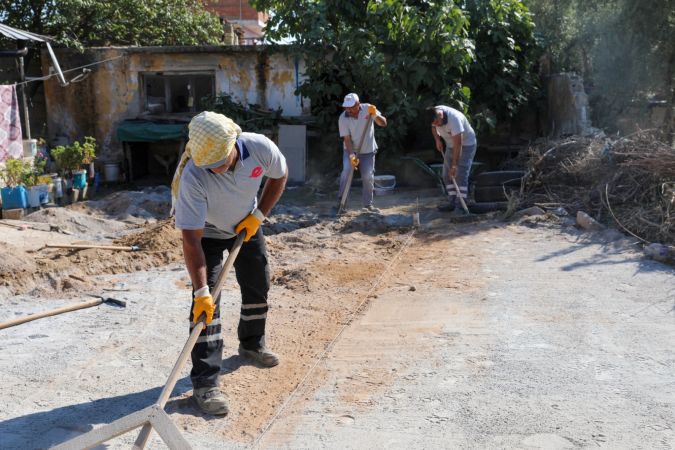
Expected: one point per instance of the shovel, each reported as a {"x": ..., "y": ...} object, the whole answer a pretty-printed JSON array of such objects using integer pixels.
[
  {"x": 144, "y": 435},
  {"x": 63, "y": 309},
  {"x": 459, "y": 196},
  {"x": 468, "y": 217}
]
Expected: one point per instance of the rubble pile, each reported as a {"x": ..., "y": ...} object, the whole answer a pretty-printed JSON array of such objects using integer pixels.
[{"x": 629, "y": 181}]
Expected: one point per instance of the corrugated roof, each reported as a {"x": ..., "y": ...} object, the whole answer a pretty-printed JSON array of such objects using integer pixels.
[{"x": 21, "y": 35}]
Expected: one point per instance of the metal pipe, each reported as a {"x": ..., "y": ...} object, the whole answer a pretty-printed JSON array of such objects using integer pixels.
[
  {"x": 14, "y": 53},
  {"x": 22, "y": 88}
]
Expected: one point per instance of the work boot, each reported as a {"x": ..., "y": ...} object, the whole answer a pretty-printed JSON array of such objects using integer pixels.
[
  {"x": 262, "y": 356},
  {"x": 371, "y": 209},
  {"x": 446, "y": 207},
  {"x": 211, "y": 401}
]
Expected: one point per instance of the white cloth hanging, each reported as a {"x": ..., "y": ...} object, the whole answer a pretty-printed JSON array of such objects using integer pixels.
[{"x": 11, "y": 145}]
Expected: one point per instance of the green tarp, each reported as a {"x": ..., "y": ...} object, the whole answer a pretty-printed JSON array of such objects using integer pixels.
[{"x": 144, "y": 131}]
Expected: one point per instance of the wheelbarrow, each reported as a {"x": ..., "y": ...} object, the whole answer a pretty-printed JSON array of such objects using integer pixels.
[{"x": 427, "y": 168}]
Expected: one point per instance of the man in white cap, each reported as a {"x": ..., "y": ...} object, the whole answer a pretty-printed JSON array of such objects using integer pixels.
[
  {"x": 359, "y": 146},
  {"x": 214, "y": 195},
  {"x": 456, "y": 141}
]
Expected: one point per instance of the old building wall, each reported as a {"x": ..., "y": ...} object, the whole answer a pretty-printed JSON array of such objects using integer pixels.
[{"x": 112, "y": 92}]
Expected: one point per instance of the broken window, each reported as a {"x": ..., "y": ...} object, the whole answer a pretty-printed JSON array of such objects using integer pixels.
[{"x": 177, "y": 92}]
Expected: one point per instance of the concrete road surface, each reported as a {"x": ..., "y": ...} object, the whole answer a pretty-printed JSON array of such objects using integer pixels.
[
  {"x": 480, "y": 336},
  {"x": 503, "y": 338}
]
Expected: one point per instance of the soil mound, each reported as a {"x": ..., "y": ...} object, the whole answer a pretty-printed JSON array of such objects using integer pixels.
[
  {"x": 160, "y": 237},
  {"x": 78, "y": 221},
  {"x": 139, "y": 207}
]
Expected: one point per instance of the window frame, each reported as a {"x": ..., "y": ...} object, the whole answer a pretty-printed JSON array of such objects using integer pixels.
[{"x": 168, "y": 96}]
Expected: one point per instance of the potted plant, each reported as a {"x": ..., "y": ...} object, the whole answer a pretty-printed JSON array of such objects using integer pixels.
[
  {"x": 89, "y": 154},
  {"x": 71, "y": 158},
  {"x": 31, "y": 179},
  {"x": 14, "y": 195}
]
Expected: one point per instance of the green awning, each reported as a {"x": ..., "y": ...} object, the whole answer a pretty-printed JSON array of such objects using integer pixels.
[{"x": 145, "y": 131}]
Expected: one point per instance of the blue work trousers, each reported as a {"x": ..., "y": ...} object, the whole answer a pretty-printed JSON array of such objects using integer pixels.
[
  {"x": 461, "y": 174},
  {"x": 367, "y": 170}
]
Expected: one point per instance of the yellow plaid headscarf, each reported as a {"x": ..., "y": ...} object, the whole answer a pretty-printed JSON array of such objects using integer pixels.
[{"x": 211, "y": 139}]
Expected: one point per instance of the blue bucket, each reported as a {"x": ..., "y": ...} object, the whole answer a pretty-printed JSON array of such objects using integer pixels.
[
  {"x": 80, "y": 179},
  {"x": 13, "y": 198}
]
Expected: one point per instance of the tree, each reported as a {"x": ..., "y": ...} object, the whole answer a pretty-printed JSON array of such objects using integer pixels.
[
  {"x": 88, "y": 23},
  {"x": 402, "y": 55},
  {"x": 623, "y": 48},
  {"x": 503, "y": 75}
]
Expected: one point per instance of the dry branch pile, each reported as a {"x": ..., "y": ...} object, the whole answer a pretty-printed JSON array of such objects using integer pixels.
[{"x": 630, "y": 181}]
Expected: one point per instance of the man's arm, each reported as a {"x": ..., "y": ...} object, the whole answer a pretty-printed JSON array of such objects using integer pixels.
[
  {"x": 271, "y": 193},
  {"x": 457, "y": 151},
  {"x": 194, "y": 257},
  {"x": 349, "y": 145},
  {"x": 380, "y": 120},
  {"x": 439, "y": 142}
]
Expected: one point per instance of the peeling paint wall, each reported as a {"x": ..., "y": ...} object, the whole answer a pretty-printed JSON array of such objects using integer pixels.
[{"x": 113, "y": 93}]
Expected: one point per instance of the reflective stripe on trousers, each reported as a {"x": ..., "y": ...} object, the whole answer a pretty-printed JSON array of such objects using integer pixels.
[
  {"x": 253, "y": 275},
  {"x": 461, "y": 174}
]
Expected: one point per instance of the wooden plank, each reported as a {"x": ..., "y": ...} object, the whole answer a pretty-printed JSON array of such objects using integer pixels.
[
  {"x": 168, "y": 431},
  {"x": 107, "y": 432}
]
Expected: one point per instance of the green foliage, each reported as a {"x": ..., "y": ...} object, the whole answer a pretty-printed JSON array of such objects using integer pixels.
[
  {"x": 88, "y": 23},
  {"x": 15, "y": 172},
  {"x": 502, "y": 78},
  {"x": 34, "y": 172},
  {"x": 71, "y": 157},
  {"x": 404, "y": 56},
  {"x": 624, "y": 49},
  {"x": 248, "y": 118}
]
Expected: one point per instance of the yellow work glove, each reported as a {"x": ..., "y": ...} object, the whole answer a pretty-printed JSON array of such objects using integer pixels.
[
  {"x": 372, "y": 110},
  {"x": 354, "y": 161},
  {"x": 203, "y": 304},
  {"x": 251, "y": 224}
]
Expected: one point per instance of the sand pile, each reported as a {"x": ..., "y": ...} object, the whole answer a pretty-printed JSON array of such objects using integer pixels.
[
  {"x": 285, "y": 219},
  {"x": 78, "y": 222},
  {"x": 162, "y": 237},
  {"x": 138, "y": 207}
]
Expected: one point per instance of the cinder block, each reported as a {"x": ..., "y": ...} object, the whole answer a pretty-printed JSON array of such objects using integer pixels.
[{"x": 15, "y": 214}]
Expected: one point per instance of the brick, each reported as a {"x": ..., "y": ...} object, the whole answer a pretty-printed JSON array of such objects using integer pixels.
[{"x": 15, "y": 214}]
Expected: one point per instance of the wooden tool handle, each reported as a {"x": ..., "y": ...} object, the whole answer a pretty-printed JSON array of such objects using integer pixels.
[
  {"x": 144, "y": 435},
  {"x": 102, "y": 247},
  {"x": 53, "y": 312},
  {"x": 459, "y": 196}
]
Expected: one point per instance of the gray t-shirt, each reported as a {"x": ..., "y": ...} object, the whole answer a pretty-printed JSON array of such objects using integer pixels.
[
  {"x": 457, "y": 123},
  {"x": 217, "y": 202},
  {"x": 352, "y": 126}
]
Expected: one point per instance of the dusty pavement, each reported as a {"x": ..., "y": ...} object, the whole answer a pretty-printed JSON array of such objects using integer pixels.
[
  {"x": 513, "y": 338},
  {"x": 475, "y": 335}
]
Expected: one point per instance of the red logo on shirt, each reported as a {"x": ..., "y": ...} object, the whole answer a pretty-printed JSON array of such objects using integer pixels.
[{"x": 256, "y": 172}]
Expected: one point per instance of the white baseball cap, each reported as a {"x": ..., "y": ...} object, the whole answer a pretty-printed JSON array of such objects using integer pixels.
[{"x": 350, "y": 100}]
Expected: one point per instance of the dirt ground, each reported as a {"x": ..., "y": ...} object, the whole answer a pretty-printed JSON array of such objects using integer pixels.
[
  {"x": 320, "y": 265},
  {"x": 64, "y": 375}
]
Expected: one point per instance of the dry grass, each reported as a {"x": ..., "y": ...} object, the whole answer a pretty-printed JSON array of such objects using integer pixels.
[{"x": 630, "y": 181}]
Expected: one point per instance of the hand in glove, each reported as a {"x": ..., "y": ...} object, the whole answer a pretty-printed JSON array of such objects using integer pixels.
[
  {"x": 372, "y": 110},
  {"x": 354, "y": 161},
  {"x": 203, "y": 304},
  {"x": 251, "y": 224}
]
